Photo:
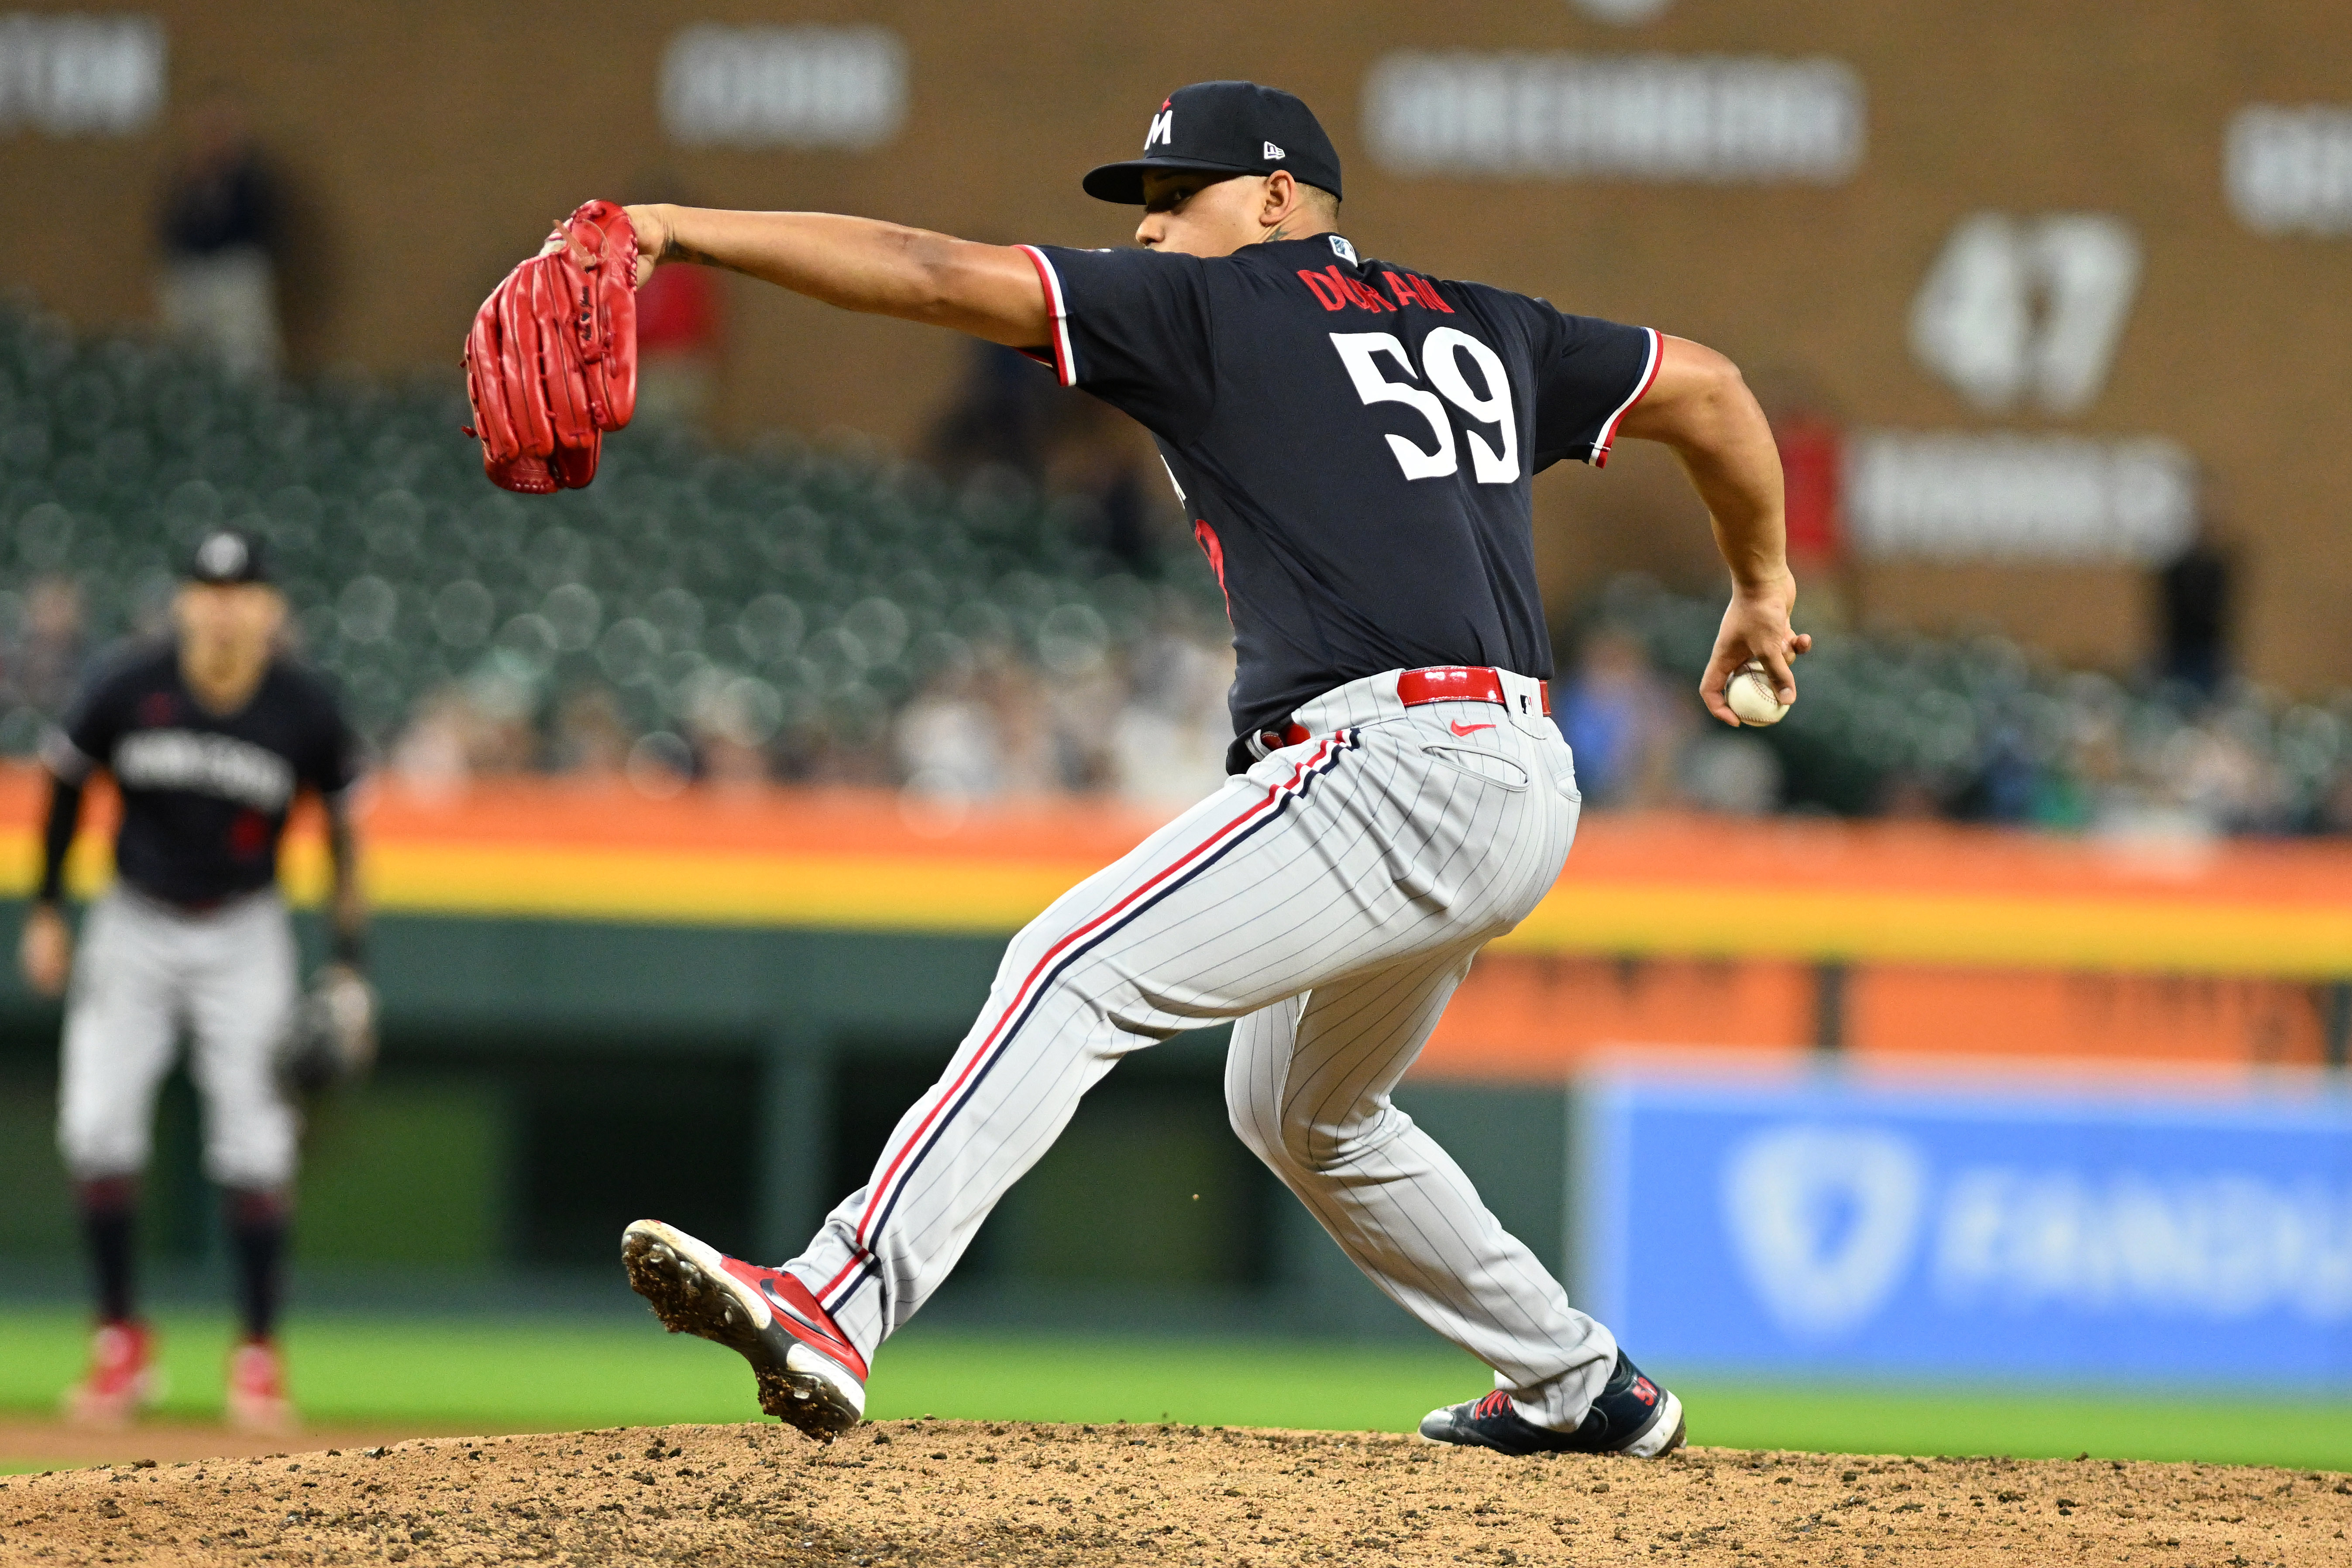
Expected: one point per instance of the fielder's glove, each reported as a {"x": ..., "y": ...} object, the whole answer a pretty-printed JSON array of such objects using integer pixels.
[
  {"x": 331, "y": 1040},
  {"x": 552, "y": 362}
]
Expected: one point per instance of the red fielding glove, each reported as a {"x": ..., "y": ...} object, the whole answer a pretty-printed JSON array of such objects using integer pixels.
[{"x": 552, "y": 362}]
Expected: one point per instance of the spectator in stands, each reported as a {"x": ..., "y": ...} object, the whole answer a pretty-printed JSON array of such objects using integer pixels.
[
  {"x": 592, "y": 739},
  {"x": 219, "y": 231},
  {"x": 1029, "y": 763},
  {"x": 1099, "y": 456},
  {"x": 1000, "y": 413},
  {"x": 43, "y": 665},
  {"x": 1167, "y": 745},
  {"x": 432, "y": 757},
  {"x": 2196, "y": 600},
  {"x": 2336, "y": 805},
  {"x": 1625, "y": 727},
  {"x": 727, "y": 737},
  {"x": 947, "y": 742},
  {"x": 2194, "y": 595},
  {"x": 2222, "y": 777},
  {"x": 474, "y": 728}
]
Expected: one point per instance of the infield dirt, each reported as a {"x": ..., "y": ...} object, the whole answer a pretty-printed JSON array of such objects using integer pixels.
[{"x": 907, "y": 1492}]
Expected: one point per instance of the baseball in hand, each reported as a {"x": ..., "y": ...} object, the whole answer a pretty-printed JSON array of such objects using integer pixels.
[{"x": 1749, "y": 694}]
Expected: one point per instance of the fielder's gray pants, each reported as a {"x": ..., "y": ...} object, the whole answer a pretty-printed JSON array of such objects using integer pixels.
[
  {"x": 1331, "y": 900},
  {"x": 144, "y": 968}
]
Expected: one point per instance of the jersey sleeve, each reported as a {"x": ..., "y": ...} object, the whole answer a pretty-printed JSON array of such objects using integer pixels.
[
  {"x": 80, "y": 744},
  {"x": 1588, "y": 374},
  {"x": 332, "y": 764},
  {"x": 1133, "y": 327}
]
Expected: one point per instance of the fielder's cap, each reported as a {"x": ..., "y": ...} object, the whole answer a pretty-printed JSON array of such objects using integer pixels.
[
  {"x": 1226, "y": 128},
  {"x": 228, "y": 555}
]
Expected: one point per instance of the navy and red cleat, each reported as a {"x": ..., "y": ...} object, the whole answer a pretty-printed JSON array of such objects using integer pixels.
[
  {"x": 810, "y": 1375},
  {"x": 1633, "y": 1416}
]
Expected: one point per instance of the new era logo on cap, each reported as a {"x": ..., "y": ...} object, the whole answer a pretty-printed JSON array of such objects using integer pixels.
[{"x": 1273, "y": 152}]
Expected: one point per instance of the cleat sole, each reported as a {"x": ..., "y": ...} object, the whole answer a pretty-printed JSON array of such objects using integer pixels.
[{"x": 689, "y": 1300}]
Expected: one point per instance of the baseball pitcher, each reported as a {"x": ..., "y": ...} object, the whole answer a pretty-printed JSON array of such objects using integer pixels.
[
  {"x": 1353, "y": 440},
  {"x": 208, "y": 739}
]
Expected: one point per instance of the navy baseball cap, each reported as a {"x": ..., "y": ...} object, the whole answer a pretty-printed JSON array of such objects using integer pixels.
[
  {"x": 228, "y": 555},
  {"x": 1226, "y": 128}
]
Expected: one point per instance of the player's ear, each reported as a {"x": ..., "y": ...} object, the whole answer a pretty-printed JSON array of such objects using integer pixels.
[{"x": 1281, "y": 198}]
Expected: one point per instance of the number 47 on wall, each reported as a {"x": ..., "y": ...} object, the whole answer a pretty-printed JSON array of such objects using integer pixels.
[{"x": 2017, "y": 306}]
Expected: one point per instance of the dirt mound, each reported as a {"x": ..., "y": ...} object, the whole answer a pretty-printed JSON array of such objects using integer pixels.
[
  {"x": 959, "y": 1492},
  {"x": 33, "y": 1443}
]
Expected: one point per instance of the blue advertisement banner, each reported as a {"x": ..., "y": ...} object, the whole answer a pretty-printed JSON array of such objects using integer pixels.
[{"x": 1866, "y": 1229}]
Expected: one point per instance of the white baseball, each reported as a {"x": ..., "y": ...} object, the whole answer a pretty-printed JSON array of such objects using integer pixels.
[{"x": 1749, "y": 694}]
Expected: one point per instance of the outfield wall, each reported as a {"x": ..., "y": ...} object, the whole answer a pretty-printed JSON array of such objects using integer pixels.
[{"x": 713, "y": 1008}]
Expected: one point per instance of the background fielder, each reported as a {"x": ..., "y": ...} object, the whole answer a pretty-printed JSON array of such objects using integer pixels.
[
  {"x": 209, "y": 739},
  {"x": 1354, "y": 442}
]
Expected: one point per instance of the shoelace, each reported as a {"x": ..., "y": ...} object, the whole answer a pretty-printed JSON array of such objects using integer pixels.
[{"x": 1495, "y": 1403}]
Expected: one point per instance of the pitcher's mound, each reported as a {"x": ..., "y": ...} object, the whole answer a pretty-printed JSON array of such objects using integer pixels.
[{"x": 944, "y": 1492}]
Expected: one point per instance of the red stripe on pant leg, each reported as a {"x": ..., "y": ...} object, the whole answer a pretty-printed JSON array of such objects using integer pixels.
[
  {"x": 1015, "y": 1006},
  {"x": 847, "y": 1269}
]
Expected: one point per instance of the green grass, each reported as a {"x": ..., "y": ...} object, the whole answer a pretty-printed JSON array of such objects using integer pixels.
[{"x": 496, "y": 1374}]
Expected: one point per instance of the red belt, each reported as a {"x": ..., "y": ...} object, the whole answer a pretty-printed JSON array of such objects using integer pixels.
[{"x": 1439, "y": 683}]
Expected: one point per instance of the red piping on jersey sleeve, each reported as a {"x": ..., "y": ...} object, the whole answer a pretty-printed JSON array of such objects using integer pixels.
[
  {"x": 1065, "y": 362},
  {"x": 1649, "y": 374}
]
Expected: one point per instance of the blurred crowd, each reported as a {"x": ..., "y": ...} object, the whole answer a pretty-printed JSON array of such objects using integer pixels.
[
  {"x": 972, "y": 628},
  {"x": 1969, "y": 728},
  {"x": 1017, "y": 614}
]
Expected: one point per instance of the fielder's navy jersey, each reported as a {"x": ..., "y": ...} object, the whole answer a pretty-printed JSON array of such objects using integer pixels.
[
  {"x": 1353, "y": 442},
  {"x": 205, "y": 795}
]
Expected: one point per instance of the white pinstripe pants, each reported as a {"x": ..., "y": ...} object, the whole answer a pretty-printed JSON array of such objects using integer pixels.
[{"x": 1331, "y": 900}]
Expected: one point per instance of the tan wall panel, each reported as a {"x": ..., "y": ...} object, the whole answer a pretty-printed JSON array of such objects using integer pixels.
[{"x": 428, "y": 143}]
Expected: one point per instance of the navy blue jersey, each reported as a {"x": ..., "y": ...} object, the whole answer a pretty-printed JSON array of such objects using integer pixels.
[
  {"x": 1353, "y": 442},
  {"x": 205, "y": 795}
]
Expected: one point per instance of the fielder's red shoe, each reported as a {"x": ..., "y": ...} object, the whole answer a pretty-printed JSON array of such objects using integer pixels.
[
  {"x": 257, "y": 1390},
  {"x": 122, "y": 1380},
  {"x": 810, "y": 1375}
]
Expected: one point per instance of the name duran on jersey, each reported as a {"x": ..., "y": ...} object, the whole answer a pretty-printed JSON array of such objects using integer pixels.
[
  {"x": 1353, "y": 442},
  {"x": 205, "y": 795}
]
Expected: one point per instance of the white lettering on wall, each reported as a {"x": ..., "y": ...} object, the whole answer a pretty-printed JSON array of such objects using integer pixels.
[
  {"x": 73, "y": 75},
  {"x": 1962, "y": 495},
  {"x": 783, "y": 86},
  {"x": 2211, "y": 1245},
  {"x": 1623, "y": 13},
  {"x": 2288, "y": 170},
  {"x": 1828, "y": 1222},
  {"x": 1641, "y": 117},
  {"x": 2020, "y": 307}
]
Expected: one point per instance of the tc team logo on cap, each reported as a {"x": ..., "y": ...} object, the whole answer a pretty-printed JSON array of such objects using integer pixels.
[{"x": 221, "y": 557}]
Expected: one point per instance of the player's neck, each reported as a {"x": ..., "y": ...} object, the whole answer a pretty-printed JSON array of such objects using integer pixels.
[
  {"x": 222, "y": 680},
  {"x": 1303, "y": 229}
]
